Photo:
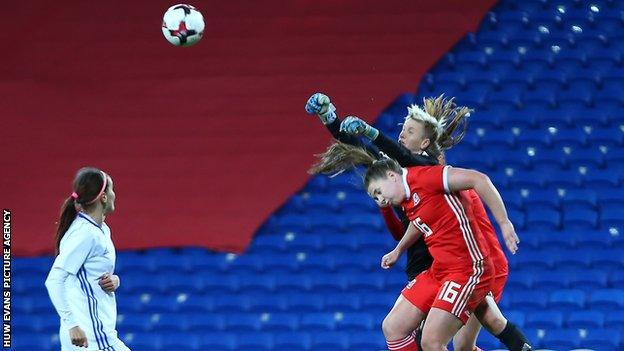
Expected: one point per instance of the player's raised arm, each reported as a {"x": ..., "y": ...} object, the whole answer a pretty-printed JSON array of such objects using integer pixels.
[
  {"x": 463, "y": 179},
  {"x": 409, "y": 238}
]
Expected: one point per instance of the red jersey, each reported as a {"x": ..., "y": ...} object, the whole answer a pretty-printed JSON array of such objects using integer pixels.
[
  {"x": 441, "y": 216},
  {"x": 499, "y": 260}
]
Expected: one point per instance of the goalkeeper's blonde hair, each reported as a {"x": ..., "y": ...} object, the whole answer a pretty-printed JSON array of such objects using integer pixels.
[{"x": 441, "y": 118}]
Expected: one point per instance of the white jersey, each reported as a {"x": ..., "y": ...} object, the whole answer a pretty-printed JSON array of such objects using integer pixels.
[{"x": 86, "y": 252}]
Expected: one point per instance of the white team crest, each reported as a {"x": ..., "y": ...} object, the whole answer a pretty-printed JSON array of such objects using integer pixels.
[{"x": 416, "y": 199}]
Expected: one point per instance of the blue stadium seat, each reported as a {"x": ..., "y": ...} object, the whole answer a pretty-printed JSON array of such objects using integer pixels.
[
  {"x": 562, "y": 339},
  {"x": 296, "y": 341},
  {"x": 221, "y": 282},
  {"x": 280, "y": 322},
  {"x": 317, "y": 184},
  {"x": 196, "y": 302},
  {"x": 607, "y": 299},
  {"x": 367, "y": 341},
  {"x": 280, "y": 263},
  {"x": 601, "y": 178},
  {"x": 539, "y": 198},
  {"x": 585, "y": 319},
  {"x": 534, "y": 138},
  {"x": 614, "y": 319},
  {"x": 550, "y": 280},
  {"x": 611, "y": 215},
  {"x": 219, "y": 341},
  {"x": 341, "y": 301},
  {"x": 264, "y": 282},
  {"x": 591, "y": 239},
  {"x": 180, "y": 341},
  {"x": 134, "y": 322},
  {"x": 305, "y": 302},
  {"x": 543, "y": 219},
  {"x": 530, "y": 299},
  {"x": 268, "y": 302},
  {"x": 292, "y": 282},
  {"x": 608, "y": 136},
  {"x": 553, "y": 240},
  {"x": 330, "y": 340},
  {"x": 517, "y": 317},
  {"x": 304, "y": 242},
  {"x": 231, "y": 303},
  {"x": 242, "y": 322},
  {"x": 567, "y": 299},
  {"x": 544, "y": 319},
  {"x": 375, "y": 300},
  {"x": 585, "y": 279},
  {"x": 29, "y": 341},
  {"x": 320, "y": 202},
  {"x": 205, "y": 322},
  {"x": 616, "y": 279},
  {"x": 590, "y": 157},
  {"x": 612, "y": 261},
  {"x": 609, "y": 338},
  {"x": 520, "y": 279},
  {"x": 580, "y": 196},
  {"x": 268, "y": 244},
  {"x": 372, "y": 282},
  {"x": 580, "y": 218},
  {"x": 356, "y": 321},
  {"x": 358, "y": 201},
  {"x": 259, "y": 341},
  {"x": 143, "y": 341},
  {"x": 315, "y": 322},
  {"x": 329, "y": 282}
]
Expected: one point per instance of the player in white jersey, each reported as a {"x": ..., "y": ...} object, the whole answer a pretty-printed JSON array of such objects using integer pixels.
[{"x": 81, "y": 283}]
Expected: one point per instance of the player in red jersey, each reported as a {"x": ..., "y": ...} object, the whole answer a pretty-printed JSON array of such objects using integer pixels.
[
  {"x": 461, "y": 275},
  {"x": 420, "y": 137}
]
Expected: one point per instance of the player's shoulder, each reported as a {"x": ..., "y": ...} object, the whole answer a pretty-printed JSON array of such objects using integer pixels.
[{"x": 80, "y": 229}]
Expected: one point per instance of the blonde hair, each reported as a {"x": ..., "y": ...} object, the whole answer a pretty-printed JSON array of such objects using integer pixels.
[{"x": 441, "y": 118}]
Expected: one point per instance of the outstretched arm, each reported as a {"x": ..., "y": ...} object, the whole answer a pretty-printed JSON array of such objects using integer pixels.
[
  {"x": 320, "y": 105},
  {"x": 463, "y": 179},
  {"x": 406, "y": 158}
]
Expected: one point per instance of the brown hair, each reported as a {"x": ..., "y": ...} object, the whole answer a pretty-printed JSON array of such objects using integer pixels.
[
  {"x": 86, "y": 187},
  {"x": 340, "y": 157}
]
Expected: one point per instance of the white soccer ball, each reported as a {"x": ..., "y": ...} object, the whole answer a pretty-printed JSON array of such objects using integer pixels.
[{"x": 183, "y": 25}]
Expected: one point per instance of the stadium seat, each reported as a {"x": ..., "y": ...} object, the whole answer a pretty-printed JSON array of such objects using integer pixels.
[
  {"x": 268, "y": 302},
  {"x": 544, "y": 320},
  {"x": 343, "y": 302},
  {"x": 567, "y": 299},
  {"x": 242, "y": 322},
  {"x": 205, "y": 322},
  {"x": 585, "y": 319},
  {"x": 280, "y": 322},
  {"x": 609, "y": 338},
  {"x": 529, "y": 299},
  {"x": 561, "y": 339},
  {"x": 259, "y": 341},
  {"x": 219, "y": 341},
  {"x": 305, "y": 302},
  {"x": 606, "y": 299},
  {"x": 180, "y": 341},
  {"x": 315, "y": 322},
  {"x": 296, "y": 341},
  {"x": 330, "y": 340}
]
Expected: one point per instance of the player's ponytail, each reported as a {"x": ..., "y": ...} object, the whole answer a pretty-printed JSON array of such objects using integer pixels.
[
  {"x": 340, "y": 157},
  {"x": 453, "y": 117},
  {"x": 68, "y": 214},
  {"x": 89, "y": 185}
]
